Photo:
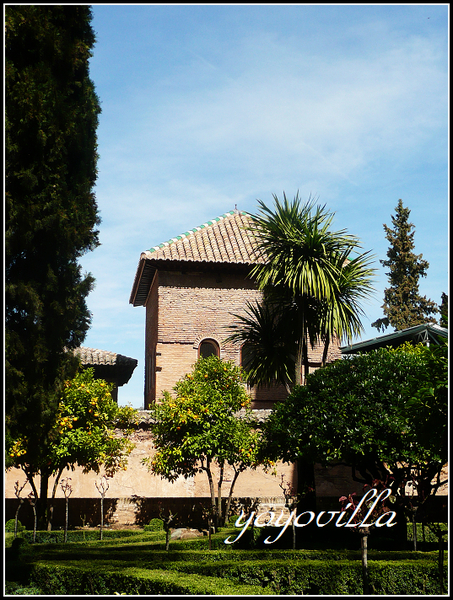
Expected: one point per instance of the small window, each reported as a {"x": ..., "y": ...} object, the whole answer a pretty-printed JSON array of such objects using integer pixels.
[{"x": 208, "y": 348}]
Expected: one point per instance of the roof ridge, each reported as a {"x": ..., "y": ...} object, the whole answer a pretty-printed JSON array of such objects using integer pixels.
[{"x": 199, "y": 228}]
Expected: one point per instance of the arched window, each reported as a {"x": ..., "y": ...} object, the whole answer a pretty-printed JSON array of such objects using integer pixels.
[{"x": 208, "y": 348}]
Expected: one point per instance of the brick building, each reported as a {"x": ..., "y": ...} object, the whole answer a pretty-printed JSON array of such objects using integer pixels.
[{"x": 191, "y": 288}]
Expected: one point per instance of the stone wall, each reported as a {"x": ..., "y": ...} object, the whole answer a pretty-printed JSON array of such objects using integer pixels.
[
  {"x": 135, "y": 512},
  {"x": 137, "y": 487}
]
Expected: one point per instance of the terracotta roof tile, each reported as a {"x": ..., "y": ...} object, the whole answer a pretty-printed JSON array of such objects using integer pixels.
[
  {"x": 107, "y": 365},
  {"x": 92, "y": 356},
  {"x": 224, "y": 239}
]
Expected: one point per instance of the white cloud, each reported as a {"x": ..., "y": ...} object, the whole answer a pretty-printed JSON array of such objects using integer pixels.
[
  {"x": 203, "y": 114},
  {"x": 323, "y": 118}
]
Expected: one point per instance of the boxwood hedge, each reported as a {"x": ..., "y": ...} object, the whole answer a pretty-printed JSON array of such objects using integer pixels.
[{"x": 139, "y": 564}]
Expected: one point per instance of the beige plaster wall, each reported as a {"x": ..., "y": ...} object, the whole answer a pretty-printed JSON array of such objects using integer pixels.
[{"x": 137, "y": 480}]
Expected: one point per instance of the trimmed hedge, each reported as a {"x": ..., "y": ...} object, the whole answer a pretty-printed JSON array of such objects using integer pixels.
[
  {"x": 327, "y": 577},
  {"x": 154, "y": 525},
  {"x": 139, "y": 564},
  {"x": 62, "y": 580},
  {"x": 78, "y": 535},
  {"x": 10, "y": 526},
  {"x": 276, "y": 575}
]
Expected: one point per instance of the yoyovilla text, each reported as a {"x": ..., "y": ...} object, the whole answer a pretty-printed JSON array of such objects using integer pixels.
[{"x": 386, "y": 519}]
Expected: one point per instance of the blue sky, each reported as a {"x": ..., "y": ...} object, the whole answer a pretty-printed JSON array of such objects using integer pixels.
[{"x": 205, "y": 107}]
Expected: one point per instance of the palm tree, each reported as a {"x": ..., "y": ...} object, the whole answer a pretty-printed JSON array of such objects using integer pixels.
[
  {"x": 341, "y": 318},
  {"x": 267, "y": 333},
  {"x": 312, "y": 287}
]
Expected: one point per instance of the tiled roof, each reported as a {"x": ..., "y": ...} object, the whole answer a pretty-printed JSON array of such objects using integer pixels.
[
  {"x": 91, "y": 356},
  {"x": 224, "y": 239},
  {"x": 107, "y": 365}
]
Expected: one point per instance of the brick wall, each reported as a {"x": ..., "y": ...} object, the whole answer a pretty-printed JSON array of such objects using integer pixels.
[
  {"x": 185, "y": 309},
  {"x": 182, "y": 309}
]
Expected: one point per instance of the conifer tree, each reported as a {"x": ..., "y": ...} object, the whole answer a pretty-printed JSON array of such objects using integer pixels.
[
  {"x": 51, "y": 116},
  {"x": 443, "y": 309},
  {"x": 403, "y": 306}
]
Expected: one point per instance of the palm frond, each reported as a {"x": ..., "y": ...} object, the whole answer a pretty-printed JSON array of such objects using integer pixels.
[{"x": 268, "y": 336}]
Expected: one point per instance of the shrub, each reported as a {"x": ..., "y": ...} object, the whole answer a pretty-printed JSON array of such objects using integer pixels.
[
  {"x": 16, "y": 589},
  {"x": 154, "y": 525},
  {"x": 60, "y": 580},
  {"x": 56, "y": 536},
  {"x": 140, "y": 565},
  {"x": 9, "y": 526}
]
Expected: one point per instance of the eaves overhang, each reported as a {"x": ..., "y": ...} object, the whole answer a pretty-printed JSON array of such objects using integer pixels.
[
  {"x": 144, "y": 276},
  {"x": 107, "y": 365},
  {"x": 148, "y": 267},
  {"x": 428, "y": 334}
]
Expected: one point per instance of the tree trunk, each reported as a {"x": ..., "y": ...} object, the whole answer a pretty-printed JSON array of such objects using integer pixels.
[
  {"x": 325, "y": 351},
  {"x": 32, "y": 483},
  {"x": 302, "y": 353},
  {"x": 364, "y": 551},
  {"x": 230, "y": 494},
  {"x": 305, "y": 357},
  {"x": 219, "y": 497},
  {"x": 441, "y": 562},
  {"x": 102, "y": 518},
  {"x": 299, "y": 363},
  {"x": 306, "y": 487},
  {"x": 16, "y": 517},
  {"x": 51, "y": 503},
  {"x": 212, "y": 491},
  {"x": 66, "y": 520},
  {"x": 35, "y": 520},
  {"x": 414, "y": 529},
  {"x": 42, "y": 506}
]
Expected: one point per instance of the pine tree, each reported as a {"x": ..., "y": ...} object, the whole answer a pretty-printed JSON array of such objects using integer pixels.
[
  {"x": 51, "y": 118},
  {"x": 403, "y": 306}
]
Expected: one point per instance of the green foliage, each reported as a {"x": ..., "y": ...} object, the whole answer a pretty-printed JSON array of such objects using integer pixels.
[
  {"x": 51, "y": 116},
  {"x": 443, "y": 309},
  {"x": 145, "y": 568},
  {"x": 429, "y": 403},
  {"x": 10, "y": 525},
  {"x": 427, "y": 533},
  {"x": 403, "y": 306},
  {"x": 313, "y": 287},
  {"x": 200, "y": 425},
  {"x": 154, "y": 525},
  {"x": 56, "y": 536},
  {"x": 83, "y": 431},
  {"x": 16, "y": 589},
  {"x": 296, "y": 576},
  {"x": 373, "y": 411},
  {"x": 71, "y": 580}
]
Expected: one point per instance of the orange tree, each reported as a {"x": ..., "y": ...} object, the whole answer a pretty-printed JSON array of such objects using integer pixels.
[
  {"x": 205, "y": 427},
  {"x": 83, "y": 434},
  {"x": 384, "y": 413}
]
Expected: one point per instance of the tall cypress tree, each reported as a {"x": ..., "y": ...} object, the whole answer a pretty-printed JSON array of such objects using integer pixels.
[
  {"x": 443, "y": 309},
  {"x": 51, "y": 212},
  {"x": 403, "y": 306}
]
